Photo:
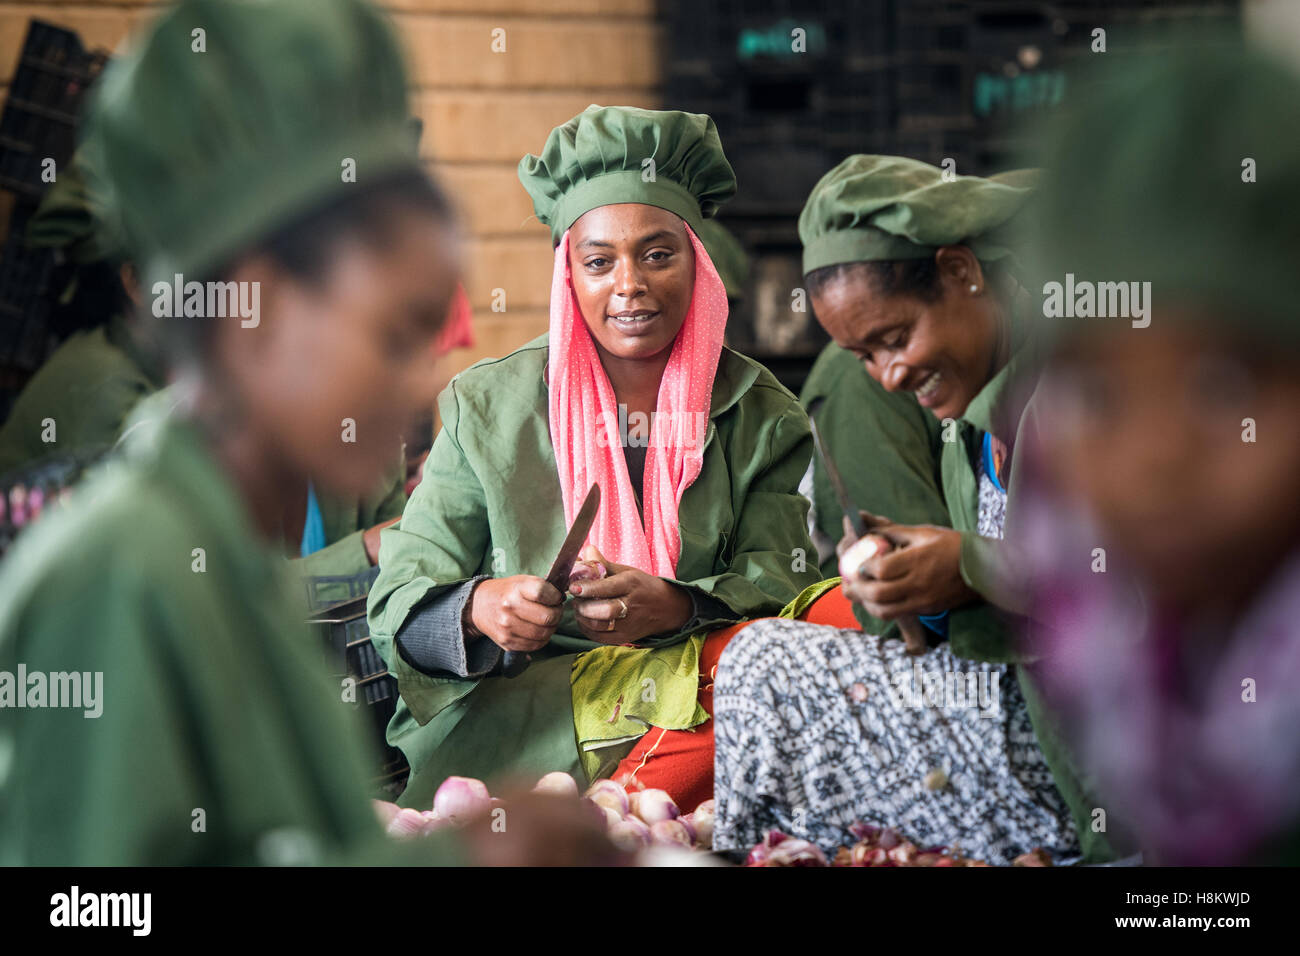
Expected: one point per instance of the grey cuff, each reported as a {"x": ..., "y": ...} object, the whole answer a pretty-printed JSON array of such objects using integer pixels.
[
  {"x": 706, "y": 609},
  {"x": 433, "y": 639}
]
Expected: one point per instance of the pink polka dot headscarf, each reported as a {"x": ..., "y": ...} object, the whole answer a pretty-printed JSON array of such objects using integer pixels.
[{"x": 584, "y": 413}]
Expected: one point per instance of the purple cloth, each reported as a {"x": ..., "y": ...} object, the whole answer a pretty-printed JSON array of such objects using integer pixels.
[{"x": 1183, "y": 759}]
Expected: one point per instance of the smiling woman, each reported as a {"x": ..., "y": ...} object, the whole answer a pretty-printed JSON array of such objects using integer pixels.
[
  {"x": 907, "y": 269},
  {"x": 694, "y": 534}
]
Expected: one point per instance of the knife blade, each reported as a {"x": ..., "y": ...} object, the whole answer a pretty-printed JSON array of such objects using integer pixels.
[
  {"x": 516, "y": 662},
  {"x": 914, "y": 637}
]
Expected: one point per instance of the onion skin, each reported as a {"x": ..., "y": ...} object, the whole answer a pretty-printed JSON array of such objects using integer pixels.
[
  {"x": 586, "y": 571},
  {"x": 688, "y": 822},
  {"x": 1035, "y": 857},
  {"x": 655, "y": 806},
  {"x": 407, "y": 823},
  {"x": 606, "y": 793},
  {"x": 460, "y": 798},
  {"x": 670, "y": 833},
  {"x": 702, "y": 820},
  {"x": 630, "y": 835},
  {"x": 611, "y": 816},
  {"x": 558, "y": 783},
  {"x": 779, "y": 849},
  {"x": 795, "y": 852},
  {"x": 860, "y": 552}
]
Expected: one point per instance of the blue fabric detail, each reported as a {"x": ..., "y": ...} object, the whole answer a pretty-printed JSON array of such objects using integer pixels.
[
  {"x": 988, "y": 463},
  {"x": 313, "y": 529},
  {"x": 935, "y": 622}
]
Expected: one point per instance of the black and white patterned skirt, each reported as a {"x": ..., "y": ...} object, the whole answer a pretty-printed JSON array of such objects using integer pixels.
[{"x": 816, "y": 728}]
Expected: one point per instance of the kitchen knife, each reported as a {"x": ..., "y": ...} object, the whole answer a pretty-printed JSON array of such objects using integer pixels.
[
  {"x": 515, "y": 662},
  {"x": 914, "y": 639}
]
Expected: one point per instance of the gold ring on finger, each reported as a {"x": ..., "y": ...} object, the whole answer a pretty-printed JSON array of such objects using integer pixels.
[{"x": 623, "y": 613}]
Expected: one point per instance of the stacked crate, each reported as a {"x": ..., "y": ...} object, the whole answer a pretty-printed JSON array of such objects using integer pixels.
[
  {"x": 38, "y": 124},
  {"x": 932, "y": 79}
]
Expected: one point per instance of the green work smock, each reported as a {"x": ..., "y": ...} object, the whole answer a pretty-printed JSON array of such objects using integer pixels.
[
  {"x": 87, "y": 387},
  {"x": 221, "y": 739},
  {"x": 490, "y": 504}
]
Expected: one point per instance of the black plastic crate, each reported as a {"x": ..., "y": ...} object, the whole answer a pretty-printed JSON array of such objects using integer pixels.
[
  {"x": 43, "y": 106},
  {"x": 39, "y": 122},
  {"x": 346, "y": 634}
]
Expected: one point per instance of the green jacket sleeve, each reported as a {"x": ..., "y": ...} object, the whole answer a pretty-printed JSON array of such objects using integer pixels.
[{"x": 769, "y": 557}]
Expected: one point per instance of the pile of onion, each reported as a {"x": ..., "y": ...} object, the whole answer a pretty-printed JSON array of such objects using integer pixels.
[
  {"x": 642, "y": 818},
  {"x": 635, "y": 819},
  {"x": 875, "y": 846},
  {"x": 457, "y": 801}
]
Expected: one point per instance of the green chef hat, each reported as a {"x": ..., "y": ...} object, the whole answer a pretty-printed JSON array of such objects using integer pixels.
[
  {"x": 884, "y": 208},
  {"x": 618, "y": 154},
  {"x": 228, "y": 119},
  {"x": 71, "y": 216},
  {"x": 1184, "y": 172}
]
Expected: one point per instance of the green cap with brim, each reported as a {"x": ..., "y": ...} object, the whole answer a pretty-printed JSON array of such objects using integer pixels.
[
  {"x": 619, "y": 154},
  {"x": 1184, "y": 171},
  {"x": 229, "y": 119},
  {"x": 887, "y": 208}
]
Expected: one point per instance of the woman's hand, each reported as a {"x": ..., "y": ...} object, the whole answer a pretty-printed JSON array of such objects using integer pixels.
[
  {"x": 627, "y": 604},
  {"x": 921, "y": 575},
  {"x": 370, "y": 539},
  {"x": 518, "y": 613}
]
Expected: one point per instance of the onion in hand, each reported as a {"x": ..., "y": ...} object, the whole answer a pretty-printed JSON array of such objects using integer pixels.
[{"x": 460, "y": 798}]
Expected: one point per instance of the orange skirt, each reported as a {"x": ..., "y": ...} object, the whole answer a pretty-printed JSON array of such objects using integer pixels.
[{"x": 681, "y": 761}]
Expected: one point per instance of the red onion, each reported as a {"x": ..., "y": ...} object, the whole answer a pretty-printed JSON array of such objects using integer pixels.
[
  {"x": 778, "y": 849},
  {"x": 670, "y": 833},
  {"x": 611, "y": 816},
  {"x": 606, "y": 793},
  {"x": 586, "y": 571},
  {"x": 794, "y": 852},
  {"x": 433, "y": 823},
  {"x": 558, "y": 783},
  {"x": 407, "y": 823},
  {"x": 654, "y": 806},
  {"x": 702, "y": 819},
  {"x": 688, "y": 822},
  {"x": 759, "y": 855},
  {"x": 459, "y": 798},
  {"x": 630, "y": 834},
  {"x": 860, "y": 552}
]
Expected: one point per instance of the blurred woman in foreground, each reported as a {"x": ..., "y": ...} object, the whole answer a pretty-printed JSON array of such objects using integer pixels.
[
  {"x": 206, "y": 730},
  {"x": 1166, "y": 541}
]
